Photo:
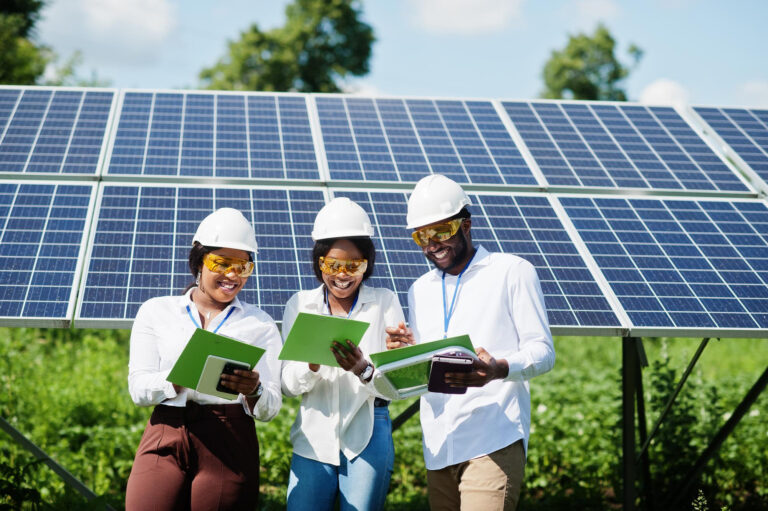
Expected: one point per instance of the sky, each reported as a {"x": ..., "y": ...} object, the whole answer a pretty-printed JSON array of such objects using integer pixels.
[{"x": 697, "y": 52}]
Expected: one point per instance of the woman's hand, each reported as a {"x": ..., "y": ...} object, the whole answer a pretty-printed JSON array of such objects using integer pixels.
[
  {"x": 243, "y": 381},
  {"x": 399, "y": 336},
  {"x": 349, "y": 356}
]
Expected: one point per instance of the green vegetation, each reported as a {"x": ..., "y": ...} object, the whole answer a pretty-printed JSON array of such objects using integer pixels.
[
  {"x": 67, "y": 391},
  {"x": 587, "y": 68},
  {"x": 320, "y": 44}
]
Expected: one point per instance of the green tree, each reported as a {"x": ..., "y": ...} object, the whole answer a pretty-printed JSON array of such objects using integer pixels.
[
  {"x": 321, "y": 43},
  {"x": 22, "y": 62},
  {"x": 587, "y": 68}
]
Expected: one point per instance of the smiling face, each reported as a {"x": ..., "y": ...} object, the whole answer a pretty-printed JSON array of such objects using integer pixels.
[
  {"x": 222, "y": 288},
  {"x": 341, "y": 285},
  {"x": 451, "y": 255}
]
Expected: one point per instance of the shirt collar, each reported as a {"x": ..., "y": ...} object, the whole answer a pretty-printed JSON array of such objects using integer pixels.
[
  {"x": 186, "y": 300},
  {"x": 481, "y": 259},
  {"x": 317, "y": 297}
]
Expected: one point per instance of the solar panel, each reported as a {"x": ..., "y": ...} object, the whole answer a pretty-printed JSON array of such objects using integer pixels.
[
  {"x": 608, "y": 145},
  {"x": 140, "y": 245},
  {"x": 52, "y": 131},
  {"x": 222, "y": 135},
  {"x": 42, "y": 230},
  {"x": 524, "y": 225},
  {"x": 402, "y": 140},
  {"x": 745, "y": 131},
  {"x": 681, "y": 265}
]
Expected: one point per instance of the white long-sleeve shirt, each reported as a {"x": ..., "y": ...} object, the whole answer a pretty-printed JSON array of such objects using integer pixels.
[
  {"x": 336, "y": 412},
  {"x": 160, "y": 332},
  {"x": 501, "y": 306}
]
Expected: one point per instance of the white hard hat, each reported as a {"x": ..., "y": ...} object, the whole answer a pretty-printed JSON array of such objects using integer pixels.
[
  {"x": 434, "y": 198},
  {"x": 341, "y": 218},
  {"x": 226, "y": 228}
]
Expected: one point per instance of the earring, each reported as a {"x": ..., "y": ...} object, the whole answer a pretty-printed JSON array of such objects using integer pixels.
[{"x": 197, "y": 281}]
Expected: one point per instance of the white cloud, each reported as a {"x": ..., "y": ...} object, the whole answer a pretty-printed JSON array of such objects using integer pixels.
[
  {"x": 665, "y": 92},
  {"x": 362, "y": 88},
  {"x": 586, "y": 14},
  {"x": 754, "y": 93},
  {"x": 466, "y": 17},
  {"x": 110, "y": 31}
]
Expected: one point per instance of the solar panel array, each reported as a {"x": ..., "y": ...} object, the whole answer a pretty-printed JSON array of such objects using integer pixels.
[
  {"x": 42, "y": 228},
  {"x": 221, "y": 135},
  {"x": 402, "y": 140},
  {"x": 46, "y": 131},
  {"x": 745, "y": 131},
  {"x": 116, "y": 182},
  {"x": 619, "y": 146}
]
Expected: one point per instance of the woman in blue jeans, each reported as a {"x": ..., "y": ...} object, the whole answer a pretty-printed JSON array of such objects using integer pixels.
[{"x": 342, "y": 436}]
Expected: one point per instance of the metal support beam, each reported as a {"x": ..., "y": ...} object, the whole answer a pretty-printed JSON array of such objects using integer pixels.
[
  {"x": 630, "y": 367},
  {"x": 741, "y": 410},
  {"x": 647, "y": 489},
  {"x": 407, "y": 414},
  {"x": 39, "y": 454},
  {"x": 672, "y": 398}
]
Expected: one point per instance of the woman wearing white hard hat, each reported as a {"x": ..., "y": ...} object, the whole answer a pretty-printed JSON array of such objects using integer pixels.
[
  {"x": 342, "y": 436},
  {"x": 200, "y": 451}
]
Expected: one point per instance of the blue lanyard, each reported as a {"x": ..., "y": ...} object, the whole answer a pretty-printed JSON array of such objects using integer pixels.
[
  {"x": 192, "y": 317},
  {"x": 328, "y": 305},
  {"x": 447, "y": 313}
]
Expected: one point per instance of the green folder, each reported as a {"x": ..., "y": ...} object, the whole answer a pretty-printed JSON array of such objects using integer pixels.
[
  {"x": 407, "y": 369},
  {"x": 188, "y": 370},
  {"x": 311, "y": 337}
]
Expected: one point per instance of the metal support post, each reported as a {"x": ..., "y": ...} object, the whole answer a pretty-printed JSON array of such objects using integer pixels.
[
  {"x": 629, "y": 368},
  {"x": 741, "y": 410}
]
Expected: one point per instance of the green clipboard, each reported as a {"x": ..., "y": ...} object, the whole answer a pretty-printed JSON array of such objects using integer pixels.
[
  {"x": 311, "y": 337},
  {"x": 405, "y": 371},
  {"x": 189, "y": 368}
]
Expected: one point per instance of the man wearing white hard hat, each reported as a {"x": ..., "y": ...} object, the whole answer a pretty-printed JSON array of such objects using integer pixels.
[
  {"x": 474, "y": 443},
  {"x": 200, "y": 451},
  {"x": 342, "y": 436}
]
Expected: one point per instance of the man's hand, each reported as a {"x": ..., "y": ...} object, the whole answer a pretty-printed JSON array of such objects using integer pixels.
[
  {"x": 399, "y": 336},
  {"x": 484, "y": 370}
]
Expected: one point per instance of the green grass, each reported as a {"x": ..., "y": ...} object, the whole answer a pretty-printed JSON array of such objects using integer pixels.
[{"x": 67, "y": 391}]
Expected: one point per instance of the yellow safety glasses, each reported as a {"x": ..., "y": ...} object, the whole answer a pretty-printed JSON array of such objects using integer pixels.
[
  {"x": 352, "y": 267},
  {"x": 439, "y": 232},
  {"x": 224, "y": 265}
]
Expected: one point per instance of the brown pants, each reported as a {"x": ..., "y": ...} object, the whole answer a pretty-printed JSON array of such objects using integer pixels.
[
  {"x": 490, "y": 482},
  {"x": 201, "y": 457}
]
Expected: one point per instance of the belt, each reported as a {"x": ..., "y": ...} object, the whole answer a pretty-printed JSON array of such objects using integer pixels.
[
  {"x": 193, "y": 411},
  {"x": 379, "y": 402}
]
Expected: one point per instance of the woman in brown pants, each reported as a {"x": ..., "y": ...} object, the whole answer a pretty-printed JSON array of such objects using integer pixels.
[{"x": 200, "y": 452}]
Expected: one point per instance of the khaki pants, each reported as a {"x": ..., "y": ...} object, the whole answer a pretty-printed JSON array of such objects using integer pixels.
[
  {"x": 198, "y": 457},
  {"x": 490, "y": 482}
]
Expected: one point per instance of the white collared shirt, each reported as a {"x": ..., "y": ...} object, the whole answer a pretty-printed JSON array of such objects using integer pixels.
[
  {"x": 160, "y": 332},
  {"x": 336, "y": 412},
  {"x": 501, "y": 306}
]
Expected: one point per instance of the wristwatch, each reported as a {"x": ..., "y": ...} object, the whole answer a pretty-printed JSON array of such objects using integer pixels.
[
  {"x": 366, "y": 374},
  {"x": 258, "y": 392}
]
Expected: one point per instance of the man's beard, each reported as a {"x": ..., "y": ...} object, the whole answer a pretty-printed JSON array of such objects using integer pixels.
[{"x": 460, "y": 252}]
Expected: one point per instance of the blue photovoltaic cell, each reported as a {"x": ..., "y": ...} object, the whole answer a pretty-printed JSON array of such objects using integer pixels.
[
  {"x": 745, "y": 131},
  {"x": 41, "y": 232},
  {"x": 144, "y": 233},
  {"x": 47, "y": 131},
  {"x": 618, "y": 146},
  {"x": 214, "y": 135},
  {"x": 522, "y": 225},
  {"x": 402, "y": 140},
  {"x": 680, "y": 263}
]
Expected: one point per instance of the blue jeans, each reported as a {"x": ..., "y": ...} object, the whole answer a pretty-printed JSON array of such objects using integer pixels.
[{"x": 361, "y": 483}]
